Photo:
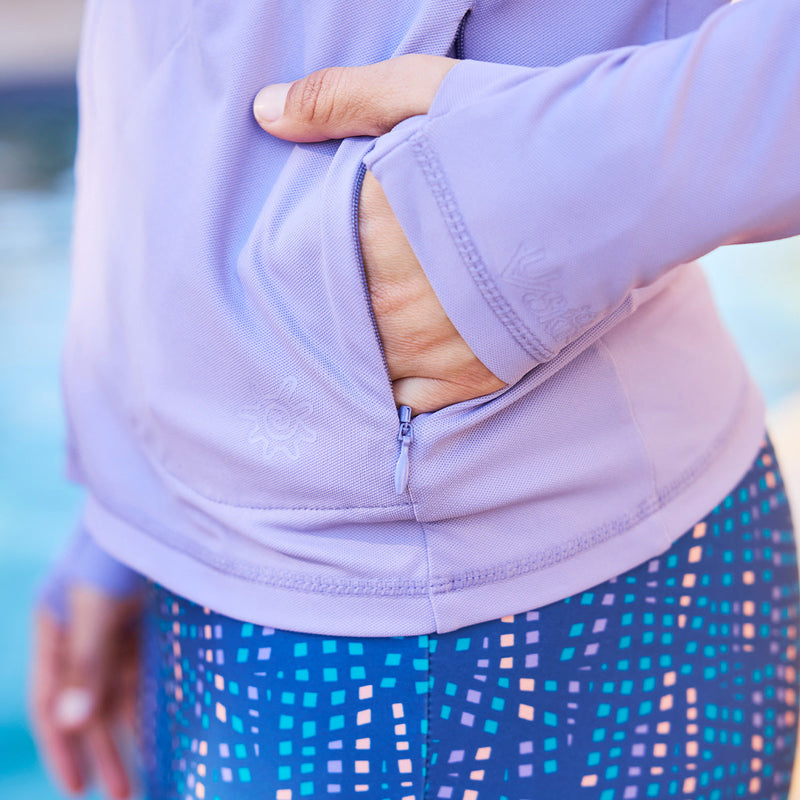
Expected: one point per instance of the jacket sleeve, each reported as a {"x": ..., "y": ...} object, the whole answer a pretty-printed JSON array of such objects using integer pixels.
[
  {"x": 537, "y": 199},
  {"x": 85, "y": 562}
]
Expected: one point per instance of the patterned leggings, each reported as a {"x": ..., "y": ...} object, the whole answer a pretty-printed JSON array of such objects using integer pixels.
[{"x": 674, "y": 679}]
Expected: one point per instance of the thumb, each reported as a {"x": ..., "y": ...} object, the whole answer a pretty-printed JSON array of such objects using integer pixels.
[
  {"x": 87, "y": 664},
  {"x": 351, "y": 101}
]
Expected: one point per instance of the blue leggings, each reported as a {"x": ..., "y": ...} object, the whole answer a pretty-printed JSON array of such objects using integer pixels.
[{"x": 674, "y": 679}]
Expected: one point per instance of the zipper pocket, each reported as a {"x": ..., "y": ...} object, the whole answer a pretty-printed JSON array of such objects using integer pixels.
[{"x": 405, "y": 435}]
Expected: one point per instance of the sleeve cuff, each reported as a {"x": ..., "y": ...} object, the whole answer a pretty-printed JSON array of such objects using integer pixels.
[
  {"x": 85, "y": 562},
  {"x": 411, "y": 177}
]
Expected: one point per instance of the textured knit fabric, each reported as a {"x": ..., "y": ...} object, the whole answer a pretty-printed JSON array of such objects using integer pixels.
[
  {"x": 676, "y": 678},
  {"x": 228, "y": 400}
]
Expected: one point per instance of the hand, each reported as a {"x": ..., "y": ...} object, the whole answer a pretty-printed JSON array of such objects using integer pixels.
[
  {"x": 430, "y": 364},
  {"x": 84, "y": 689}
]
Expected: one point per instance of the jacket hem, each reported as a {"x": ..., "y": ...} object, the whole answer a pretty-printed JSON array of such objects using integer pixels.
[{"x": 412, "y": 607}]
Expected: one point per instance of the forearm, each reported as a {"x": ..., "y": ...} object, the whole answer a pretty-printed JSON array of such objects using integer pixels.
[{"x": 536, "y": 199}]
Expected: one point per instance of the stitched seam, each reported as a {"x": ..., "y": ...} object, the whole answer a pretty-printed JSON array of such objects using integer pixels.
[
  {"x": 290, "y": 580},
  {"x": 601, "y": 534},
  {"x": 444, "y": 584},
  {"x": 434, "y": 175},
  {"x": 429, "y": 581},
  {"x": 429, "y": 596},
  {"x": 637, "y": 426},
  {"x": 376, "y": 587},
  {"x": 155, "y": 70}
]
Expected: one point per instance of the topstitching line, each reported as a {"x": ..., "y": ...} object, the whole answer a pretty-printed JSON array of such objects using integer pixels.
[
  {"x": 440, "y": 585},
  {"x": 454, "y": 220}
]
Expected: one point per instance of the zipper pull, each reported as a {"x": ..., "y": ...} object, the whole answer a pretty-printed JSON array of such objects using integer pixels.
[{"x": 405, "y": 437}]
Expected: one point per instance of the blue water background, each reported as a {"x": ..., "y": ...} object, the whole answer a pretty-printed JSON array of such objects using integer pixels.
[
  {"x": 37, "y": 507},
  {"x": 758, "y": 288}
]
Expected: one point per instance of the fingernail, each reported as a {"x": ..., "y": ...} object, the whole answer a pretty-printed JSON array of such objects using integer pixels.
[
  {"x": 269, "y": 102},
  {"x": 73, "y": 707}
]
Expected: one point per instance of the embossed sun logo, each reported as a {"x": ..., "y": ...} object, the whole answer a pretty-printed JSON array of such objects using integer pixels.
[{"x": 279, "y": 423}]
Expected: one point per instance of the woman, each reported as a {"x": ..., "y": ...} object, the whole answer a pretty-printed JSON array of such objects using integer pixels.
[{"x": 565, "y": 564}]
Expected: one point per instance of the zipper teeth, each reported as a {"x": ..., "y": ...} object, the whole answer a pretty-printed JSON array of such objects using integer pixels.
[
  {"x": 458, "y": 45},
  {"x": 362, "y": 170},
  {"x": 405, "y": 435}
]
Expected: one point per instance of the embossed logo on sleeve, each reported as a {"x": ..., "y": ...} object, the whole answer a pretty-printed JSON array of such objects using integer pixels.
[
  {"x": 544, "y": 296},
  {"x": 521, "y": 270}
]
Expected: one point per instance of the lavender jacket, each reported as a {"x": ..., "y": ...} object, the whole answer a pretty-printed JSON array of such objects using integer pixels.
[{"x": 229, "y": 406}]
